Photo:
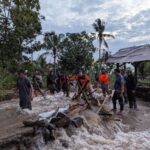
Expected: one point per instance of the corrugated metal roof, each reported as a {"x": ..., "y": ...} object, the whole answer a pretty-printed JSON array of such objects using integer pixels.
[{"x": 131, "y": 54}]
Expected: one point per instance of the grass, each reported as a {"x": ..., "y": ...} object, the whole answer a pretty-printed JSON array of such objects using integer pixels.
[
  {"x": 144, "y": 82},
  {"x": 6, "y": 94},
  {"x": 7, "y": 80}
]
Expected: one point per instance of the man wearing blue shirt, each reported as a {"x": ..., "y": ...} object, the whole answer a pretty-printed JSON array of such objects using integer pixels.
[{"x": 119, "y": 90}]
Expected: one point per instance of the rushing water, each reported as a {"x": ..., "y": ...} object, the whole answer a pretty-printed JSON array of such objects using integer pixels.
[
  {"x": 99, "y": 138},
  {"x": 96, "y": 133}
]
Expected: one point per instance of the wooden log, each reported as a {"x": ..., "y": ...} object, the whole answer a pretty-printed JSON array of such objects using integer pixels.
[
  {"x": 81, "y": 88},
  {"x": 101, "y": 106},
  {"x": 61, "y": 120},
  {"x": 38, "y": 124},
  {"x": 77, "y": 109}
]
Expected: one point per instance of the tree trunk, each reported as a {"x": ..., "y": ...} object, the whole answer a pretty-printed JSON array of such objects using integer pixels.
[
  {"x": 55, "y": 64},
  {"x": 117, "y": 66},
  {"x": 2, "y": 59}
]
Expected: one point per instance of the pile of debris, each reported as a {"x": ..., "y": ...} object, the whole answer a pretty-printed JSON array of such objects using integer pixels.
[{"x": 67, "y": 117}]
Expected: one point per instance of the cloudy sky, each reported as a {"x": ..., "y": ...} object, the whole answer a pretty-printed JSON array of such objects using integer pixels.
[{"x": 128, "y": 19}]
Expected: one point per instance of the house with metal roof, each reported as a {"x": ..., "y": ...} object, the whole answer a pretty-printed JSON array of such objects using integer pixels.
[{"x": 131, "y": 55}]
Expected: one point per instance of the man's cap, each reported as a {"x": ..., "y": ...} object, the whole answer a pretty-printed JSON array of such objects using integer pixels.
[{"x": 26, "y": 71}]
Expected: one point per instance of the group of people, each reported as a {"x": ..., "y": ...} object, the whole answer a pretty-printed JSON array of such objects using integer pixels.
[
  {"x": 28, "y": 88},
  {"x": 57, "y": 81},
  {"x": 124, "y": 86}
]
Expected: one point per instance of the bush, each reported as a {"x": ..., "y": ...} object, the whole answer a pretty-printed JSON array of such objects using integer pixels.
[
  {"x": 147, "y": 67},
  {"x": 7, "y": 80}
]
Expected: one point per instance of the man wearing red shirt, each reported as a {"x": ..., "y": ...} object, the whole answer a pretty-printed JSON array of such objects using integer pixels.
[{"x": 83, "y": 80}]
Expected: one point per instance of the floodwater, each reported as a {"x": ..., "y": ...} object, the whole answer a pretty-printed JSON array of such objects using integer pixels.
[{"x": 131, "y": 133}]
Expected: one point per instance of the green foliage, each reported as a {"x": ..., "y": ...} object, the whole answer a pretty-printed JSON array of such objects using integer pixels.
[
  {"x": 144, "y": 68},
  {"x": 144, "y": 82},
  {"x": 99, "y": 27},
  {"x": 53, "y": 43},
  {"x": 147, "y": 67},
  {"x": 42, "y": 64},
  {"x": 19, "y": 26},
  {"x": 28, "y": 65},
  {"x": 77, "y": 51},
  {"x": 7, "y": 80}
]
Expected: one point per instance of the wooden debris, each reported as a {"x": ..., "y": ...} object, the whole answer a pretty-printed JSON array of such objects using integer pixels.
[
  {"x": 81, "y": 89},
  {"x": 57, "y": 120},
  {"x": 77, "y": 122},
  {"x": 77, "y": 109},
  {"x": 102, "y": 105},
  {"x": 61, "y": 120},
  {"x": 68, "y": 118}
]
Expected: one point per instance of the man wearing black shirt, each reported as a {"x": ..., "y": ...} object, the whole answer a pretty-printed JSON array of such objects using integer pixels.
[
  {"x": 131, "y": 85},
  {"x": 25, "y": 90}
]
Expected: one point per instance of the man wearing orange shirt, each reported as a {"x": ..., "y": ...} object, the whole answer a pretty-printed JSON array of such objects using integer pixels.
[{"x": 104, "y": 80}]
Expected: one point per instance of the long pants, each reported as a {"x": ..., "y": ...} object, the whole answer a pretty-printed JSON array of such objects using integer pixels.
[
  {"x": 116, "y": 97},
  {"x": 53, "y": 88},
  {"x": 25, "y": 104},
  {"x": 125, "y": 97},
  {"x": 131, "y": 98}
]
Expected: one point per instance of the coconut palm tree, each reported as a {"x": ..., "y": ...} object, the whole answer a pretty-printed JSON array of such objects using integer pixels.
[
  {"x": 99, "y": 27},
  {"x": 53, "y": 42}
]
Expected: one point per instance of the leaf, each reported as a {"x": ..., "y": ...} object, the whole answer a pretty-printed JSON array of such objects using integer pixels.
[
  {"x": 109, "y": 35},
  {"x": 105, "y": 43}
]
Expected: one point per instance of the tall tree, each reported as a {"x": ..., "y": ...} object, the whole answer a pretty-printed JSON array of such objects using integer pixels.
[
  {"x": 53, "y": 43},
  {"x": 20, "y": 24},
  {"x": 77, "y": 51},
  {"x": 5, "y": 31},
  {"x": 99, "y": 27},
  {"x": 27, "y": 24}
]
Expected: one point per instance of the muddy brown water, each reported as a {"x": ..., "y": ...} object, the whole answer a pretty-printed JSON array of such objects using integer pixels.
[{"x": 132, "y": 132}]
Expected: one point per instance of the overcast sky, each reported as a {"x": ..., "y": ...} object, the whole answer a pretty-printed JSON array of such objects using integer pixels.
[{"x": 128, "y": 19}]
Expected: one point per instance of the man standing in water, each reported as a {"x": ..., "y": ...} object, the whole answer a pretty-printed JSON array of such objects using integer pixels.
[
  {"x": 131, "y": 86},
  {"x": 104, "y": 80},
  {"x": 25, "y": 90},
  {"x": 119, "y": 90}
]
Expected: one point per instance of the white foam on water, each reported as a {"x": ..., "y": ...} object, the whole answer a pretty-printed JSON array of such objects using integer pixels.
[
  {"x": 97, "y": 135},
  {"x": 100, "y": 136},
  {"x": 83, "y": 140}
]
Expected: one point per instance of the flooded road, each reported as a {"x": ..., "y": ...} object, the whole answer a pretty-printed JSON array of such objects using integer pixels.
[{"x": 131, "y": 133}]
